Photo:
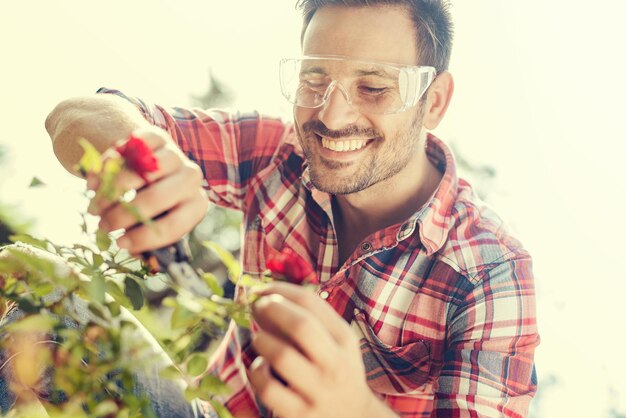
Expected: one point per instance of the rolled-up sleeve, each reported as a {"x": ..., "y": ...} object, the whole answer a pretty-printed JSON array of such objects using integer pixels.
[{"x": 230, "y": 148}]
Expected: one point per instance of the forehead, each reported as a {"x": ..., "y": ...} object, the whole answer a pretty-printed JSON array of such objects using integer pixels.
[
  {"x": 379, "y": 33},
  {"x": 337, "y": 66}
]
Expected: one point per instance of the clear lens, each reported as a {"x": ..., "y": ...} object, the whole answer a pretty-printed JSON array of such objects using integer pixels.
[{"x": 369, "y": 87}]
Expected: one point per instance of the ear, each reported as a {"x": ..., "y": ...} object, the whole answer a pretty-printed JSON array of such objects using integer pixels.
[{"x": 438, "y": 99}]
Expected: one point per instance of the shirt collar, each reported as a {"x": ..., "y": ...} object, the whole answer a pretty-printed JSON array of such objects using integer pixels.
[
  {"x": 431, "y": 221},
  {"x": 435, "y": 217}
]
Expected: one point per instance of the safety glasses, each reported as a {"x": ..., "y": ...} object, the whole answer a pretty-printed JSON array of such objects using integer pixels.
[{"x": 369, "y": 87}]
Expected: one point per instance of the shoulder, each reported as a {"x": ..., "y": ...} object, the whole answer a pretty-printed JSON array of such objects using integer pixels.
[{"x": 478, "y": 239}]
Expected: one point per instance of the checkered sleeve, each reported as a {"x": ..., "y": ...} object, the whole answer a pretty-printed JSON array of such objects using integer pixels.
[
  {"x": 230, "y": 363},
  {"x": 488, "y": 366},
  {"x": 230, "y": 148}
]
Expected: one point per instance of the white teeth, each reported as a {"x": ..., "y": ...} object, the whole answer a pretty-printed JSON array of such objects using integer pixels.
[{"x": 342, "y": 146}]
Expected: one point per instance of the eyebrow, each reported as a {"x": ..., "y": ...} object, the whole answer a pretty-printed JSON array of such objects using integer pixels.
[
  {"x": 357, "y": 73},
  {"x": 378, "y": 73},
  {"x": 314, "y": 70}
]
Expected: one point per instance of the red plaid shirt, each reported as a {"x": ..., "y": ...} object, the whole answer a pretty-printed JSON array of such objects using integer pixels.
[{"x": 444, "y": 302}]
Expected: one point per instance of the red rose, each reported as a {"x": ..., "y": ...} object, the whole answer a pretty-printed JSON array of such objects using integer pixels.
[
  {"x": 292, "y": 267},
  {"x": 138, "y": 157}
]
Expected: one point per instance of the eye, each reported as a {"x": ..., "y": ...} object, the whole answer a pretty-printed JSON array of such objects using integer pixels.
[
  {"x": 314, "y": 83},
  {"x": 373, "y": 91}
]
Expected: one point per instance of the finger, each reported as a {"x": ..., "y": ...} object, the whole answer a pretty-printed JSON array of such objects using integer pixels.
[
  {"x": 288, "y": 362},
  {"x": 153, "y": 136},
  {"x": 167, "y": 229},
  {"x": 282, "y": 400},
  {"x": 153, "y": 200},
  {"x": 169, "y": 162},
  {"x": 92, "y": 182},
  {"x": 156, "y": 139},
  {"x": 316, "y": 307},
  {"x": 283, "y": 318}
]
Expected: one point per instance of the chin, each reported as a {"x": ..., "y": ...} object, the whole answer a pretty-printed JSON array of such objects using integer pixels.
[{"x": 329, "y": 181}]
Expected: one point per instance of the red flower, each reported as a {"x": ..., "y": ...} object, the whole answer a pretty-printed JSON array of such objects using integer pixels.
[
  {"x": 292, "y": 267},
  {"x": 138, "y": 157}
]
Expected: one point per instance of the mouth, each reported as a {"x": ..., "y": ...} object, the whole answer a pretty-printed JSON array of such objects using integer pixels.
[{"x": 343, "y": 145}]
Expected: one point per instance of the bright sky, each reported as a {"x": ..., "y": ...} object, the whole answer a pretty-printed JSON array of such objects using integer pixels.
[{"x": 539, "y": 96}]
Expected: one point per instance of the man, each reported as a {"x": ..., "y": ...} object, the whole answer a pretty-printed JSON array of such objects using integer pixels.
[{"x": 426, "y": 305}]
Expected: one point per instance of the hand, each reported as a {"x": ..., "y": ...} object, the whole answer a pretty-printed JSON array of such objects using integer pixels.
[
  {"x": 175, "y": 188},
  {"x": 306, "y": 344}
]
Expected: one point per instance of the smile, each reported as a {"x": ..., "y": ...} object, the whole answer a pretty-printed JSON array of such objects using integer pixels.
[{"x": 343, "y": 146}]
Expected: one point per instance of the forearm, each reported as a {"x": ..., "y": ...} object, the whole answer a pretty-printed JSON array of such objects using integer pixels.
[{"x": 102, "y": 119}]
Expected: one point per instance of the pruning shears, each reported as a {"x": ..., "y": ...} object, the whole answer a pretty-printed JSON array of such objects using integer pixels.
[{"x": 175, "y": 260}]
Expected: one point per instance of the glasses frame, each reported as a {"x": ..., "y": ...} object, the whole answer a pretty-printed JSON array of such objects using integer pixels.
[{"x": 410, "y": 76}]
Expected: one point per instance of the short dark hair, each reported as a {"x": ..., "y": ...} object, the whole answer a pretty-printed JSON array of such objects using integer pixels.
[{"x": 431, "y": 18}]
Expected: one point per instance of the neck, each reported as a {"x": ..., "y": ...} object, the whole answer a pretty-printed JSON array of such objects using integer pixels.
[{"x": 386, "y": 203}]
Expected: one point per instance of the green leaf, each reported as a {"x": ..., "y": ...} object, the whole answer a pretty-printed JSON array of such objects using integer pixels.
[
  {"x": 98, "y": 260},
  {"x": 213, "y": 385},
  {"x": 213, "y": 283},
  {"x": 42, "y": 289},
  {"x": 105, "y": 408},
  {"x": 171, "y": 372},
  {"x": 133, "y": 290},
  {"x": 242, "y": 320},
  {"x": 221, "y": 410},
  {"x": 96, "y": 288},
  {"x": 248, "y": 281},
  {"x": 91, "y": 161},
  {"x": 192, "y": 393},
  {"x": 197, "y": 364},
  {"x": 28, "y": 239},
  {"x": 83, "y": 224},
  {"x": 33, "y": 323},
  {"x": 178, "y": 346},
  {"x": 97, "y": 310},
  {"x": 116, "y": 292},
  {"x": 169, "y": 302},
  {"x": 107, "y": 180},
  {"x": 114, "y": 308},
  {"x": 231, "y": 263},
  {"x": 103, "y": 240},
  {"x": 40, "y": 267},
  {"x": 182, "y": 317},
  {"x": 78, "y": 260},
  {"x": 35, "y": 182}
]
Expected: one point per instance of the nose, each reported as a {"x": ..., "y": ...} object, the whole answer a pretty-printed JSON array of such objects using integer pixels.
[{"x": 337, "y": 112}]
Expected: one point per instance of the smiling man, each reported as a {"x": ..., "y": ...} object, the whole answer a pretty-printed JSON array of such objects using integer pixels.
[{"x": 425, "y": 305}]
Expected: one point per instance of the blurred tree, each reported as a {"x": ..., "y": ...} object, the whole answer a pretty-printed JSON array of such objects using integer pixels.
[
  {"x": 544, "y": 385},
  {"x": 10, "y": 221},
  {"x": 614, "y": 401},
  {"x": 481, "y": 176},
  {"x": 218, "y": 94}
]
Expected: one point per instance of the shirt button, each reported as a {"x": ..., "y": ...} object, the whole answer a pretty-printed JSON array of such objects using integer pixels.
[
  {"x": 324, "y": 295},
  {"x": 366, "y": 246}
]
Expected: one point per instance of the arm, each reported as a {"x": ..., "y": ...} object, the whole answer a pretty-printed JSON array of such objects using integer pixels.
[
  {"x": 488, "y": 367},
  {"x": 232, "y": 149},
  {"x": 175, "y": 189},
  {"x": 103, "y": 119}
]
